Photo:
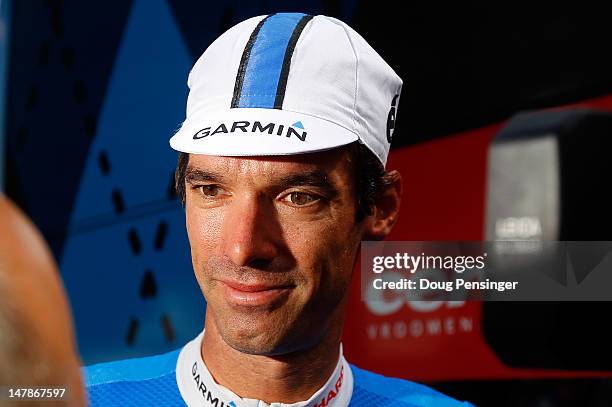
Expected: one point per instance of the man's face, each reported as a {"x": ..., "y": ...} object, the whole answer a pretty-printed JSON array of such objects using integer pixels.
[{"x": 273, "y": 243}]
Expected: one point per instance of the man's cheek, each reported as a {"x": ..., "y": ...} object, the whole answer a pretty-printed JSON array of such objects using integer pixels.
[
  {"x": 191, "y": 222},
  {"x": 310, "y": 234},
  {"x": 204, "y": 228}
]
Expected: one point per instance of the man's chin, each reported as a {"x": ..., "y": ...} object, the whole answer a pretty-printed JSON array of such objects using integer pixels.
[
  {"x": 258, "y": 330},
  {"x": 253, "y": 340}
]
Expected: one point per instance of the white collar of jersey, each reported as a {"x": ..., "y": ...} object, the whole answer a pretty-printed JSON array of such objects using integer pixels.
[{"x": 198, "y": 388}]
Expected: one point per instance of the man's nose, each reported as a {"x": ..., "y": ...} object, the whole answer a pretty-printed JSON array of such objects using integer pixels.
[{"x": 250, "y": 235}]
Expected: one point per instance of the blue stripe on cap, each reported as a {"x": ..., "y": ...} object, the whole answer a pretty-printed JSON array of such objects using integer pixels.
[{"x": 265, "y": 61}]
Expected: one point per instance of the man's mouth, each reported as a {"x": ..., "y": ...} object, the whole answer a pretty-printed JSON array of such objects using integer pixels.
[{"x": 254, "y": 294}]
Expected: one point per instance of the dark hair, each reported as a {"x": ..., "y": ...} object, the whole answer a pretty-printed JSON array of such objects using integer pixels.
[{"x": 369, "y": 174}]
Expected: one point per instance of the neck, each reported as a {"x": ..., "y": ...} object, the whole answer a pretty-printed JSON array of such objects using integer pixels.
[{"x": 286, "y": 378}]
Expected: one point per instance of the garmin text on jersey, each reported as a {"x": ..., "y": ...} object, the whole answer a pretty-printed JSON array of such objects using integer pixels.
[{"x": 210, "y": 398}]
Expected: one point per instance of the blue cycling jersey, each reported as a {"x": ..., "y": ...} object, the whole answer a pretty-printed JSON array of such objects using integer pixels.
[{"x": 180, "y": 378}]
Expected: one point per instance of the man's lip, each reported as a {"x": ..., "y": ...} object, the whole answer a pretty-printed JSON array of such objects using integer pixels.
[
  {"x": 254, "y": 295},
  {"x": 254, "y": 287}
]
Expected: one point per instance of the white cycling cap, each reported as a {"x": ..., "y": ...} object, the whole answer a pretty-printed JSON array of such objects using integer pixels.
[{"x": 289, "y": 83}]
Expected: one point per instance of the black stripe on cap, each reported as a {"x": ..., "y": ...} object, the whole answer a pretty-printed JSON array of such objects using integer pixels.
[
  {"x": 244, "y": 61},
  {"x": 282, "y": 81}
]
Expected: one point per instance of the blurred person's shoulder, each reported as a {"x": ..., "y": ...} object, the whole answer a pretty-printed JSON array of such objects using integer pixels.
[
  {"x": 372, "y": 389},
  {"x": 145, "y": 381}
]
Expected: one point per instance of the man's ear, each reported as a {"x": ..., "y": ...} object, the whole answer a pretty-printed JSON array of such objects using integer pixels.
[{"x": 386, "y": 209}]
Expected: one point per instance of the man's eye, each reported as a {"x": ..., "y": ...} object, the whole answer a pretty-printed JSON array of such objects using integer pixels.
[
  {"x": 301, "y": 198},
  {"x": 211, "y": 191}
]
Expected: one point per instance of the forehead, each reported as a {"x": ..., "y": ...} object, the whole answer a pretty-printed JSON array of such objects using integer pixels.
[{"x": 335, "y": 163}]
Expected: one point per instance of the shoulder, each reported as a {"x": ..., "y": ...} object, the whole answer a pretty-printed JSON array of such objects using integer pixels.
[
  {"x": 132, "y": 382},
  {"x": 131, "y": 369},
  {"x": 375, "y": 389}
]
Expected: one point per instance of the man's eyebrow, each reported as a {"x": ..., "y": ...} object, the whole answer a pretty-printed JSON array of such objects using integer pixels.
[
  {"x": 196, "y": 175},
  {"x": 315, "y": 178}
]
